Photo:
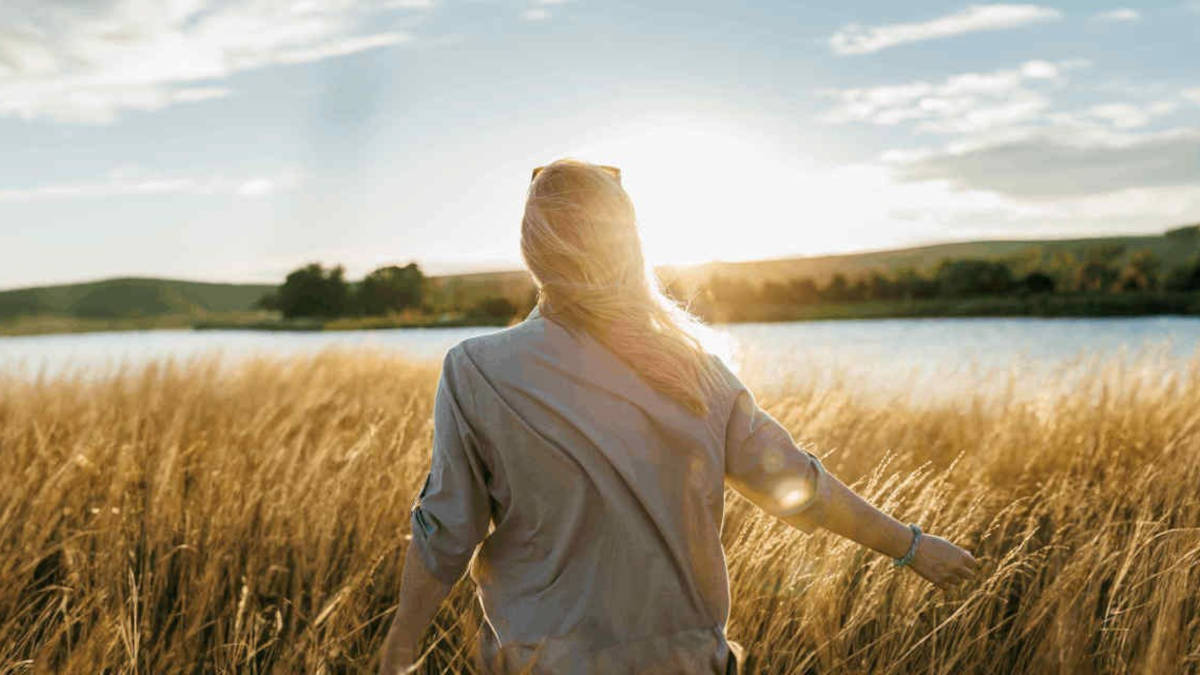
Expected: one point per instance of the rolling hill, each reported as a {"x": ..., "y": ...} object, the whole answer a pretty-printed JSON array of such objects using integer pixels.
[
  {"x": 129, "y": 298},
  {"x": 1173, "y": 248}
]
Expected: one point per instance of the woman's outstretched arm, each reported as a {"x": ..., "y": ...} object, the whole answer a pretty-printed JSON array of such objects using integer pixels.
[
  {"x": 847, "y": 514},
  {"x": 420, "y": 595},
  {"x": 764, "y": 463}
]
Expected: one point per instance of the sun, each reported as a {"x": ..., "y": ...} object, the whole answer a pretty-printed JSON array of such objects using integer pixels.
[{"x": 710, "y": 190}]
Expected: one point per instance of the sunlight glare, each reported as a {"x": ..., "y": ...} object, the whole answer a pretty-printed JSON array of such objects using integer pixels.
[
  {"x": 707, "y": 190},
  {"x": 792, "y": 493}
]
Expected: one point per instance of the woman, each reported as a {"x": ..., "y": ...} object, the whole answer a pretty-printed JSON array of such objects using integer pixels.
[{"x": 595, "y": 438}]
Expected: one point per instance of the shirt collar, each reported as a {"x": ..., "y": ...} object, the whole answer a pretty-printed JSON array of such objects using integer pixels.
[{"x": 533, "y": 313}]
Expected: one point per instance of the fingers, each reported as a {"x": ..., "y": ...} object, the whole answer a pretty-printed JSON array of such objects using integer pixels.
[
  {"x": 963, "y": 569},
  {"x": 951, "y": 581},
  {"x": 952, "y": 575},
  {"x": 964, "y": 574},
  {"x": 944, "y": 564}
]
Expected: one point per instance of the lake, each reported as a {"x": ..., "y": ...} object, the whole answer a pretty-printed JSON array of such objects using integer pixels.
[{"x": 916, "y": 356}]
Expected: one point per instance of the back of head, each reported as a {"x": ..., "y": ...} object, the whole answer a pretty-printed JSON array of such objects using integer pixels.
[{"x": 580, "y": 240}]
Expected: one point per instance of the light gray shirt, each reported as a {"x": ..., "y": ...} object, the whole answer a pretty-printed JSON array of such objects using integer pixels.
[{"x": 595, "y": 501}]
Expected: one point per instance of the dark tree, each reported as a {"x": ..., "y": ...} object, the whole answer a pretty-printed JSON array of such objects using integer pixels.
[
  {"x": 1037, "y": 283},
  {"x": 837, "y": 290},
  {"x": 391, "y": 289},
  {"x": 967, "y": 277},
  {"x": 493, "y": 310},
  {"x": 1095, "y": 276},
  {"x": 803, "y": 291},
  {"x": 1140, "y": 273},
  {"x": 313, "y": 291},
  {"x": 860, "y": 290},
  {"x": 1185, "y": 277},
  {"x": 912, "y": 285},
  {"x": 880, "y": 287},
  {"x": 269, "y": 301}
]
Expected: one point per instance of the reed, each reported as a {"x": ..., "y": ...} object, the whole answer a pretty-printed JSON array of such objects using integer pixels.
[{"x": 203, "y": 516}]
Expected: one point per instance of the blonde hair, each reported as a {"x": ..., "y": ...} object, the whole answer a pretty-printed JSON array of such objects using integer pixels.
[{"x": 580, "y": 240}]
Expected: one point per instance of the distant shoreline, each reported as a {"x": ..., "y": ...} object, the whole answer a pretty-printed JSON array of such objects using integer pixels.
[{"x": 1034, "y": 306}]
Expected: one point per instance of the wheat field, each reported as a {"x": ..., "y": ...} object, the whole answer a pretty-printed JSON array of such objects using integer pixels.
[{"x": 201, "y": 516}]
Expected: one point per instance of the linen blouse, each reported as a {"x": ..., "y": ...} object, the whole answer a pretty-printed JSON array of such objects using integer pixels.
[{"x": 591, "y": 504}]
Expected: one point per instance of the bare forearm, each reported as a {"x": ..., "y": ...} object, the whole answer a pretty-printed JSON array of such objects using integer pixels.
[
  {"x": 851, "y": 516},
  {"x": 937, "y": 560},
  {"x": 420, "y": 595}
]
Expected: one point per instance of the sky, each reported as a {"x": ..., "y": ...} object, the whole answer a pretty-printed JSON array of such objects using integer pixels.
[{"x": 235, "y": 141}]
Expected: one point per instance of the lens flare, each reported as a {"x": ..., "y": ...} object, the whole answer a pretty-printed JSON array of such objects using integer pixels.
[{"x": 792, "y": 493}]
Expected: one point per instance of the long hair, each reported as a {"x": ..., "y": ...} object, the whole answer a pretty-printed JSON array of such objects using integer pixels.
[{"x": 580, "y": 240}]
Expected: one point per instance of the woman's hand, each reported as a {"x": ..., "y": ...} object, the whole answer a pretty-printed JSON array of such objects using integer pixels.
[{"x": 941, "y": 563}]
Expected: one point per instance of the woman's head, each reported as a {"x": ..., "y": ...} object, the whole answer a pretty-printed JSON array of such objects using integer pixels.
[{"x": 580, "y": 240}]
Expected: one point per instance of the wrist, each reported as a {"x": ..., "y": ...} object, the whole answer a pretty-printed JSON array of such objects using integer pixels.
[{"x": 911, "y": 552}]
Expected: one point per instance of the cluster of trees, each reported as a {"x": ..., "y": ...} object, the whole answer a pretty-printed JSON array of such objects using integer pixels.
[
  {"x": 314, "y": 291},
  {"x": 1100, "y": 271}
]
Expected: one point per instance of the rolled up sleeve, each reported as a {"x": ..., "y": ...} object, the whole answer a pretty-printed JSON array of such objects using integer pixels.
[
  {"x": 764, "y": 464},
  {"x": 450, "y": 515}
]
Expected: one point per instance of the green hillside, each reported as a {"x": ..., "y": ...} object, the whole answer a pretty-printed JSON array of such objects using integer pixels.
[
  {"x": 129, "y": 298},
  {"x": 1173, "y": 248}
]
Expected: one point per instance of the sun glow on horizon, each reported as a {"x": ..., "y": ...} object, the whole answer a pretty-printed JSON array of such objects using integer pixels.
[{"x": 709, "y": 191}]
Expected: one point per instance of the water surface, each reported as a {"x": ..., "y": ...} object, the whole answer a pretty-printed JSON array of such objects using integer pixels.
[{"x": 888, "y": 355}]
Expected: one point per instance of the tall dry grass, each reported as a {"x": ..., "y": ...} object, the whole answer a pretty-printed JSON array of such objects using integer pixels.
[{"x": 192, "y": 517}]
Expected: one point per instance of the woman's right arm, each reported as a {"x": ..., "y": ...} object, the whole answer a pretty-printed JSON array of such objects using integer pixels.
[
  {"x": 764, "y": 463},
  {"x": 847, "y": 514}
]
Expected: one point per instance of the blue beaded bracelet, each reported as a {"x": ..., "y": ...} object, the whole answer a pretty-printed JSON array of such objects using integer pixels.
[{"x": 912, "y": 548}]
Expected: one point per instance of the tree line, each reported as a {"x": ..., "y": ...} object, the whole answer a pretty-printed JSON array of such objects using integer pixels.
[
  {"x": 315, "y": 291},
  {"x": 1139, "y": 276},
  {"x": 1106, "y": 270}
]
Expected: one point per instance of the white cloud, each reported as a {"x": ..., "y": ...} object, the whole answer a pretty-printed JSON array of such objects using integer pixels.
[
  {"x": 257, "y": 187},
  {"x": 1192, "y": 95},
  {"x": 963, "y": 103},
  {"x": 1007, "y": 139},
  {"x": 1121, "y": 115},
  {"x": 1113, "y": 116},
  {"x": 1063, "y": 161},
  {"x": 342, "y": 47},
  {"x": 1040, "y": 70},
  {"x": 540, "y": 11},
  {"x": 856, "y": 39},
  {"x": 1119, "y": 15},
  {"x": 127, "y": 182},
  {"x": 89, "y": 61},
  {"x": 194, "y": 94}
]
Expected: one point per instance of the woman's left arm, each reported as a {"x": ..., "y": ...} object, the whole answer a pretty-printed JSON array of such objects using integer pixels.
[
  {"x": 449, "y": 517},
  {"x": 421, "y": 594}
]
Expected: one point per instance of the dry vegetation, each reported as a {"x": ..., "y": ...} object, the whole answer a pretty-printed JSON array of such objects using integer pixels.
[{"x": 190, "y": 517}]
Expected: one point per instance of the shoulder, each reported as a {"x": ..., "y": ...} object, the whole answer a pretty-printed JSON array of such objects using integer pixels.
[
  {"x": 497, "y": 347},
  {"x": 727, "y": 378},
  {"x": 730, "y": 388}
]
